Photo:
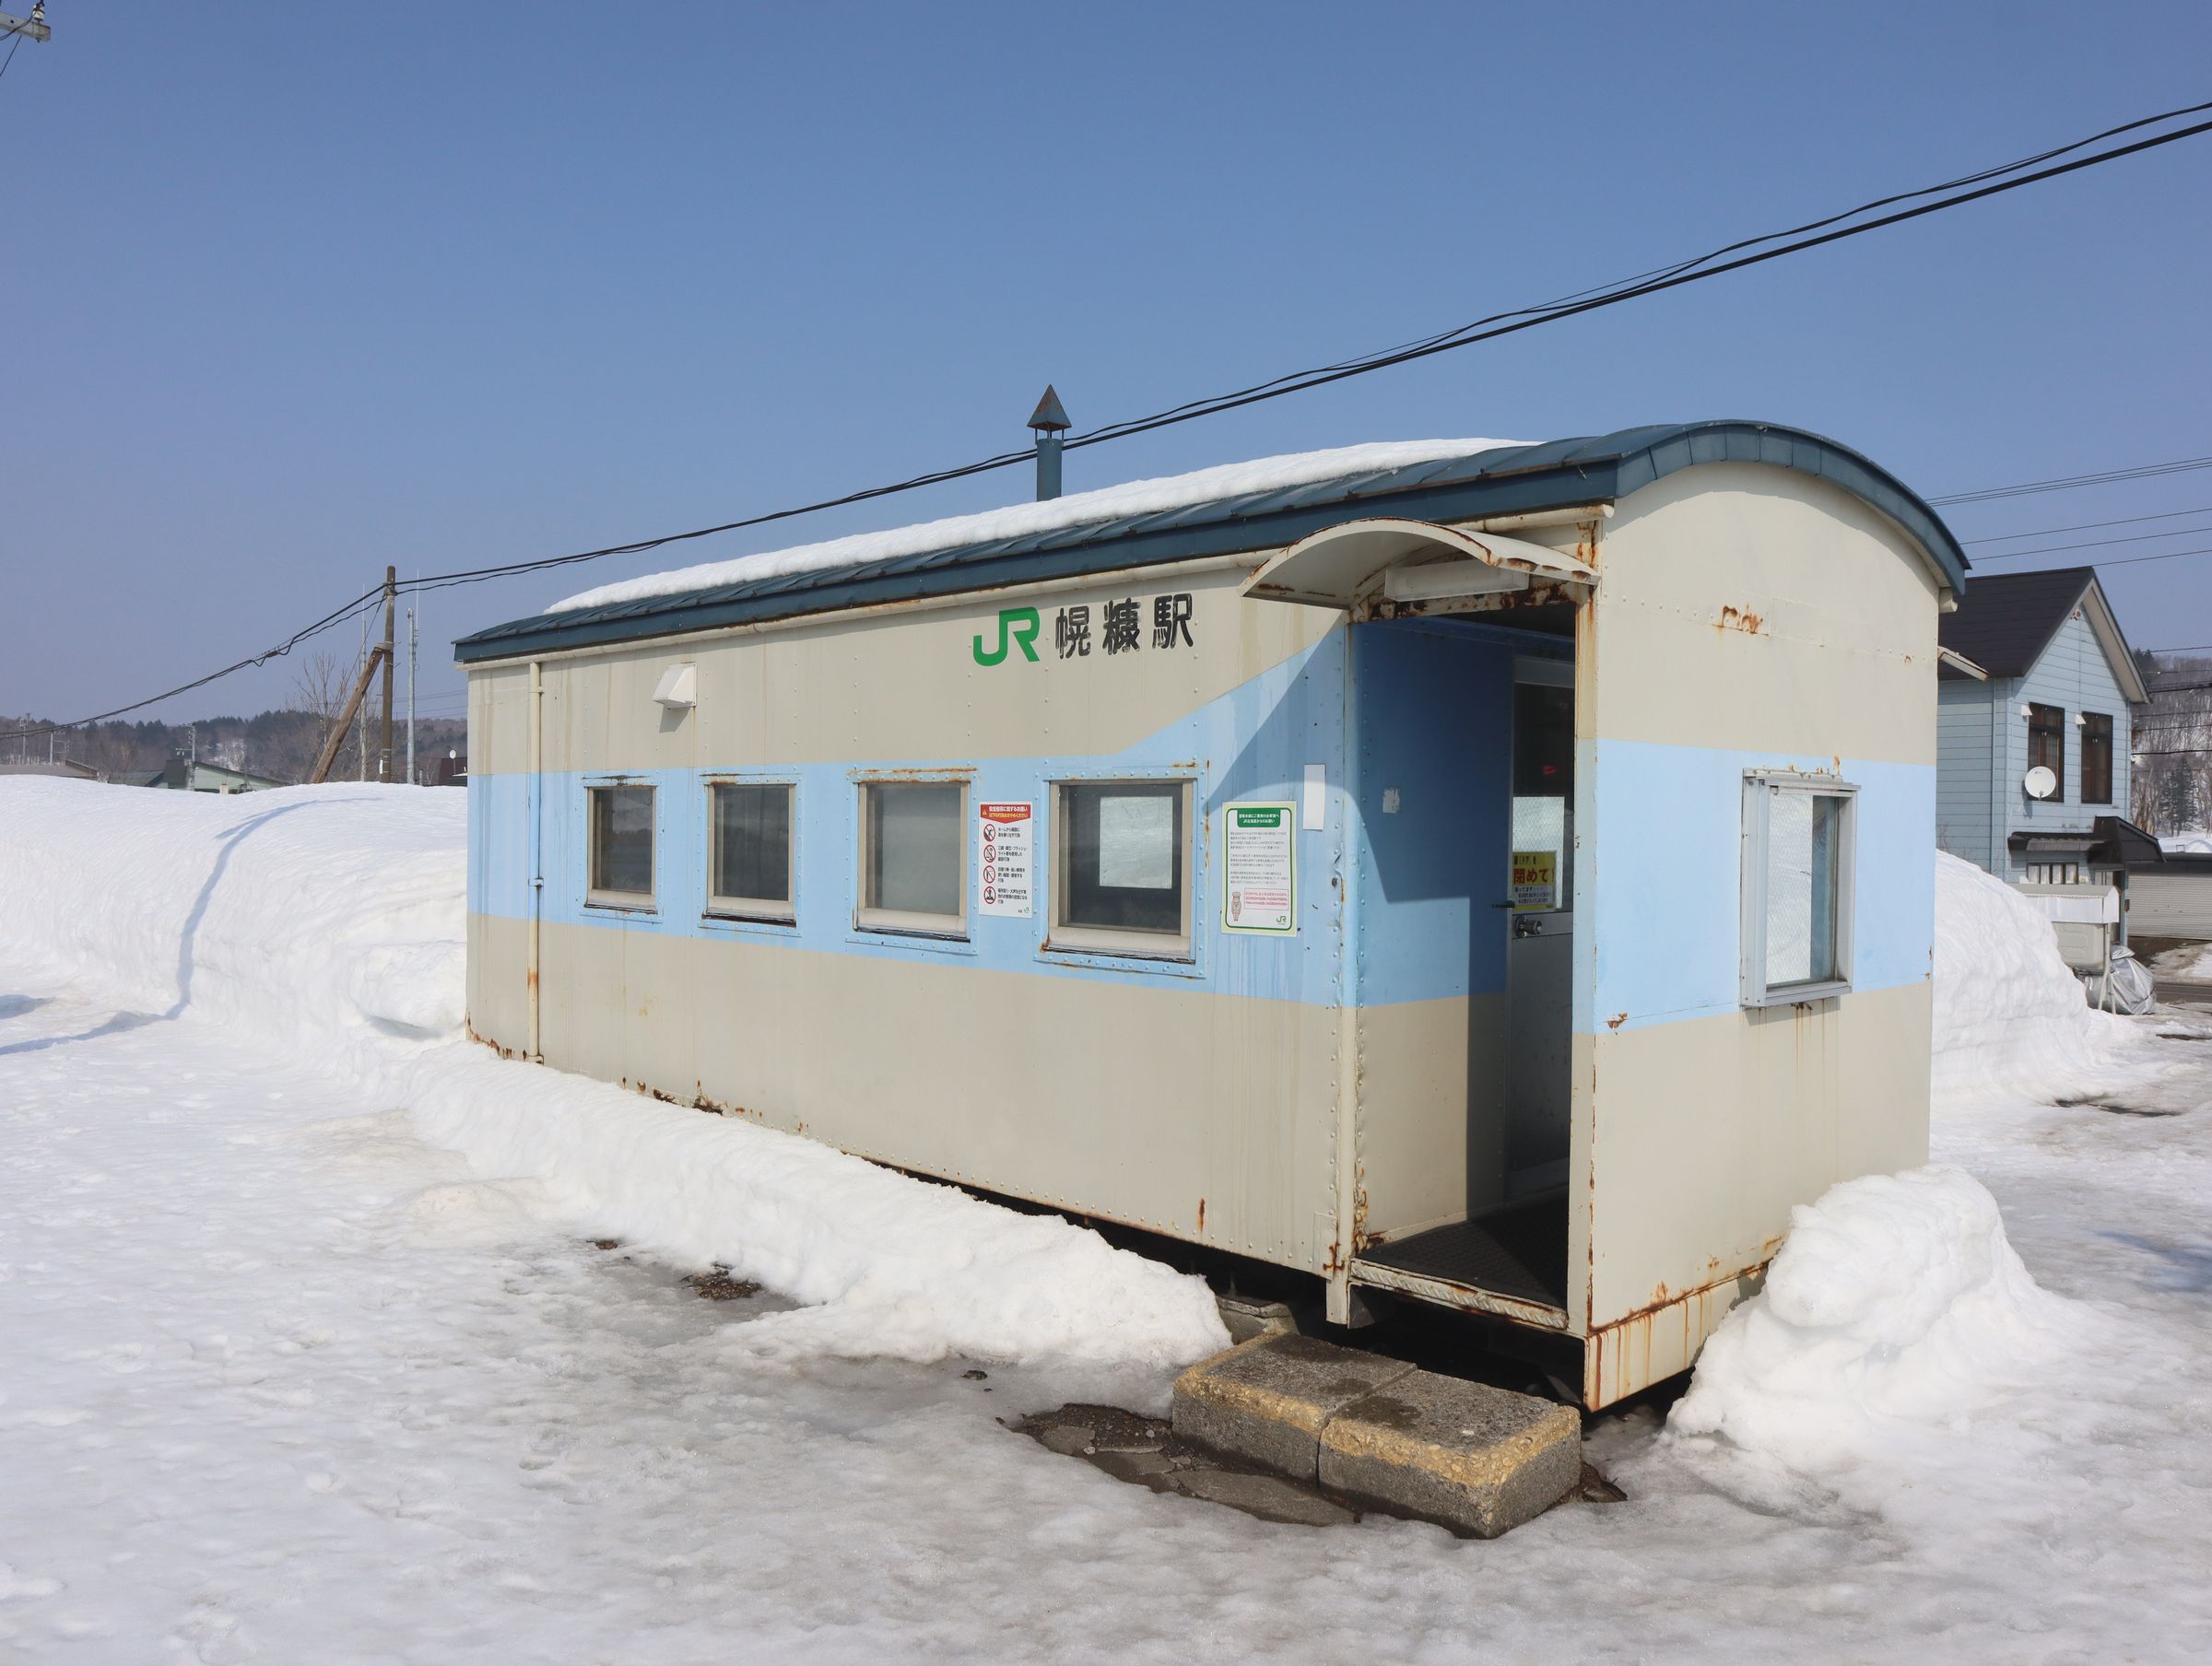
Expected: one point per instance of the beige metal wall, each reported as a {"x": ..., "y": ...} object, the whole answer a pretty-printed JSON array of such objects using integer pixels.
[
  {"x": 1204, "y": 1106},
  {"x": 1755, "y": 611}
]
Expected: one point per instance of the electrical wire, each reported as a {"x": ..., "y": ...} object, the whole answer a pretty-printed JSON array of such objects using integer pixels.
[
  {"x": 1732, "y": 257},
  {"x": 2087, "y": 526},
  {"x": 2053, "y": 549},
  {"x": 2148, "y": 471}
]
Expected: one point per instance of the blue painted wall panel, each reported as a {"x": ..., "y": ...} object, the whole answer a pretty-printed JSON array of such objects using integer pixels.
[
  {"x": 1433, "y": 705},
  {"x": 1251, "y": 744},
  {"x": 1659, "y": 941}
]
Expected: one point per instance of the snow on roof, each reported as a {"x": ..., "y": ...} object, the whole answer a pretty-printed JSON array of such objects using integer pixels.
[{"x": 1019, "y": 520}]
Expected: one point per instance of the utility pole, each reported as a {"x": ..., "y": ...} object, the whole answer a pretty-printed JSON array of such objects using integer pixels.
[
  {"x": 34, "y": 25},
  {"x": 383, "y": 745},
  {"x": 411, "y": 612},
  {"x": 360, "y": 734}
]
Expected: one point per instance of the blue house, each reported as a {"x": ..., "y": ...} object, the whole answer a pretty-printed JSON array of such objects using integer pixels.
[{"x": 2036, "y": 676}]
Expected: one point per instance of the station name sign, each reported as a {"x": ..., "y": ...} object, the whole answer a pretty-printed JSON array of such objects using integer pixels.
[{"x": 1119, "y": 628}]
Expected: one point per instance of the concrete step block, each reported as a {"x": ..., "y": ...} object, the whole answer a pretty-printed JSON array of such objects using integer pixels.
[
  {"x": 1477, "y": 1460},
  {"x": 1266, "y": 1401},
  {"x": 1246, "y": 1317}
]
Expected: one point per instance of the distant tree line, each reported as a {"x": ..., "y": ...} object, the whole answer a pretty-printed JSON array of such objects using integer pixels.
[{"x": 2173, "y": 745}]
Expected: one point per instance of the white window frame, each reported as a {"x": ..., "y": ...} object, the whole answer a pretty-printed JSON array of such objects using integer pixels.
[
  {"x": 900, "y": 921},
  {"x": 630, "y": 902},
  {"x": 1127, "y": 941},
  {"x": 765, "y": 909},
  {"x": 1760, "y": 787}
]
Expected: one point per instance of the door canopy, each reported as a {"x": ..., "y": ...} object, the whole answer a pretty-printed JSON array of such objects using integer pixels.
[{"x": 1361, "y": 565}]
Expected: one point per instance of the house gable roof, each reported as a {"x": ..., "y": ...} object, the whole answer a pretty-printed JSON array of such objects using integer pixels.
[
  {"x": 1493, "y": 480},
  {"x": 2006, "y": 621}
]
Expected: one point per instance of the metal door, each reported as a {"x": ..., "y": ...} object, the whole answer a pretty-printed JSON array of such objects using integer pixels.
[{"x": 1540, "y": 908}]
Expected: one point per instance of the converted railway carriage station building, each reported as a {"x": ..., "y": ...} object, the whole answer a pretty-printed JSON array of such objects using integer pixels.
[{"x": 1501, "y": 876}]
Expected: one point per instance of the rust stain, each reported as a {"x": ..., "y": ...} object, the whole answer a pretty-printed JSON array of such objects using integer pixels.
[
  {"x": 1202, "y": 1214},
  {"x": 1617, "y": 1020},
  {"x": 1739, "y": 618}
]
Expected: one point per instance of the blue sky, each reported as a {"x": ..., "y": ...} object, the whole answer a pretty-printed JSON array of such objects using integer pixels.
[{"x": 299, "y": 290}]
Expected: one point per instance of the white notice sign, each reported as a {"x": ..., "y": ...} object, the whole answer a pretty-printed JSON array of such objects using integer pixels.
[
  {"x": 1259, "y": 883},
  {"x": 1003, "y": 857}
]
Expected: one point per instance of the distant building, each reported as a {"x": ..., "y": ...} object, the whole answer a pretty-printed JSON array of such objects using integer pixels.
[
  {"x": 2036, "y": 676},
  {"x": 452, "y": 770},
  {"x": 66, "y": 768},
  {"x": 188, "y": 775}
]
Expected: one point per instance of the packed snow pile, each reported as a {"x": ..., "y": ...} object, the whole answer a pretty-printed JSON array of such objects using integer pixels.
[
  {"x": 1021, "y": 520},
  {"x": 1895, "y": 1303},
  {"x": 2194, "y": 842},
  {"x": 316, "y": 915},
  {"x": 330, "y": 922},
  {"x": 2010, "y": 1019}
]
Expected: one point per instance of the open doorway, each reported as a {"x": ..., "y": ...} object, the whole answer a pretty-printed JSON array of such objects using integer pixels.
[{"x": 1478, "y": 720}]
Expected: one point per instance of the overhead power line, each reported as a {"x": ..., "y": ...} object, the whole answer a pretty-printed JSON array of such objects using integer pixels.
[
  {"x": 1732, "y": 257},
  {"x": 2053, "y": 549},
  {"x": 2087, "y": 526},
  {"x": 2147, "y": 472}
]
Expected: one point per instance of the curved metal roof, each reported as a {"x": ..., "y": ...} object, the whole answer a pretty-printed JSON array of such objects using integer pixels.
[{"x": 1503, "y": 480}]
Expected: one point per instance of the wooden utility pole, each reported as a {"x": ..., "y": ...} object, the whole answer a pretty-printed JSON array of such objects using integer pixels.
[
  {"x": 383, "y": 746},
  {"x": 336, "y": 737}
]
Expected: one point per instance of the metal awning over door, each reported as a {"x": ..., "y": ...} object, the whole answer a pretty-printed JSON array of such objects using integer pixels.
[{"x": 1361, "y": 565}]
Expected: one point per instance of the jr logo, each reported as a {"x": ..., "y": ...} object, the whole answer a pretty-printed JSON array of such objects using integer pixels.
[{"x": 1020, "y": 623}]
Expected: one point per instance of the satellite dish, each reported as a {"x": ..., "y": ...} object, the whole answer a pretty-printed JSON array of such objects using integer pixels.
[{"x": 2041, "y": 782}]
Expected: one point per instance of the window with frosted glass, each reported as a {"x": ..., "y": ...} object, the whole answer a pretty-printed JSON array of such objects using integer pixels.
[
  {"x": 622, "y": 841},
  {"x": 1119, "y": 873},
  {"x": 912, "y": 874},
  {"x": 751, "y": 860},
  {"x": 1797, "y": 888}
]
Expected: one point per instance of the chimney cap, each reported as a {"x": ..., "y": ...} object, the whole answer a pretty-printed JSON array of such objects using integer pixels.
[{"x": 1051, "y": 416}]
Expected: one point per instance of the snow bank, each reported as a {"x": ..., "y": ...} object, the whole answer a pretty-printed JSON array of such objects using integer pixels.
[
  {"x": 2010, "y": 1019},
  {"x": 319, "y": 914},
  {"x": 2194, "y": 842},
  {"x": 1020, "y": 519},
  {"x": 329, "y": 922},
  {"x": 1896, "y": 1302}
]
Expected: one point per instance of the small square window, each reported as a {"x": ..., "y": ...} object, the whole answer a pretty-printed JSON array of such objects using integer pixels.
[
  {"x": 1120, "y": 882},
  {"x": 621, "y": 853},
  {"x": 912, "y": 857},
  {"x": 749, "y": 877},
  {"x": 1797, "y": 883}
]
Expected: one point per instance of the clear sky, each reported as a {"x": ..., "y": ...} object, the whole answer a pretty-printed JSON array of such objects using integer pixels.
[{"x": 297, "y": 291}]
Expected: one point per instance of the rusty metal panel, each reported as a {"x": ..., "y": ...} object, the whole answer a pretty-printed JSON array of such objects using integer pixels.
[{"x": 1643, "y": 1348}]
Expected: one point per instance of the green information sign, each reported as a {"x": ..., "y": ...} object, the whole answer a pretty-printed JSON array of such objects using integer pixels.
[{"x": 1259, "y": 869}]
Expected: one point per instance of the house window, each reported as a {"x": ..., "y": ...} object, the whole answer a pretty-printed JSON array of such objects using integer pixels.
[
  {"x": 913, "y": 875},
  {"x": 751, "y": 872},
  {"x": 621, "y": 853},
  {"x": 2047, "y": 744},
  {"x": 1797, "y": 879},
  {"x": 1120, "y": 882},
  {"x": 2096, "y": 757}
]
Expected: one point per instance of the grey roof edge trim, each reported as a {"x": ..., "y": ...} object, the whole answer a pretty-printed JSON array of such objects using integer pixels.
[
  {"x": 1511, "y": 480},
  {"x": 2104, "y": 625}
]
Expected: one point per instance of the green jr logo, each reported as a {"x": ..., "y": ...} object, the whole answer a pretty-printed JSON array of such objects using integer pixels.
[{"x": 1020, "y": 624}]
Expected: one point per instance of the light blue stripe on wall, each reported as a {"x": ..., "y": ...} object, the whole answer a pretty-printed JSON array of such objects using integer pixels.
[
  {"x": 1664, "y": 850},
  {"x": 1253, "y": 743}
]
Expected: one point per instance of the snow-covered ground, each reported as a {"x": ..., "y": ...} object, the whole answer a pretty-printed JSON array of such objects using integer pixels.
[{"x": 305, "y": 1353}]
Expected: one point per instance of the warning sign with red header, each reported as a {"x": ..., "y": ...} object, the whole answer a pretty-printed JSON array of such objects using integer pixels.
[{"x": 1003, "y": 857}]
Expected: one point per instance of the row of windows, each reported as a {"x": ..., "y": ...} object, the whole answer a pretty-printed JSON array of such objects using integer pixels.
[
  {"x": 1119, "y": 868},
  {"x": 2047, "y": 746}
]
